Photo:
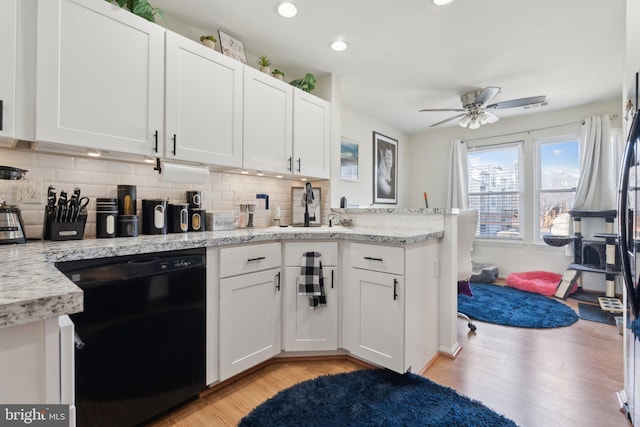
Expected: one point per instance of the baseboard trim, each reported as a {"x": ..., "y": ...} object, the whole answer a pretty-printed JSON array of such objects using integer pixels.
[
  {"x": 284, "y": 359},
  {"x": 451, "y": 353}
]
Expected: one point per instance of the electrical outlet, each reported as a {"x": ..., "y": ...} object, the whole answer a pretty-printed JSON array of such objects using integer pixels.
[{"x": 34, "y": 194}]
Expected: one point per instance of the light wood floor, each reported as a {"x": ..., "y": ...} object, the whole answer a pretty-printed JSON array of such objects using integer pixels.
[{"x": 558, "y": 377}]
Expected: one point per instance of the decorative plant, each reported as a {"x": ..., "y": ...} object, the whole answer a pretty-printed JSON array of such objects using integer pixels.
[
  {"x": 140, "y": 7},
  {"x": 203, "y": 38},
  {"x": 276, "y": 71},
  {"x": 263, "y": 61},
  {"x": 307, "y": 84}
]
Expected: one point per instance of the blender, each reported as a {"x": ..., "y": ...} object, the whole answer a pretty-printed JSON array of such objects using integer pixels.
[{"x": 13, "y": 188}]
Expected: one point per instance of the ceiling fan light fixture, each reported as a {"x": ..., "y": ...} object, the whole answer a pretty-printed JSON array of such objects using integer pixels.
[
  {"x": 287, "y": 10},
  {"x": 474, "y": 124},
  {"x": 464, "y": 122},
  {"x": 483, "y": 118}
]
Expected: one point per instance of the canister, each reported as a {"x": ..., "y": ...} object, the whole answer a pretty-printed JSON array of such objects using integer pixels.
[
  {"x": 197, "y": 219},
  {"x": 127, "y": 200},
  {"x": 194, "y": 198},
  {"x": 154, "y": 216},
  {"x": 106, "y": 217},
  {"x": 128, "y": 226},
  {"x": 178, "y": 218}
]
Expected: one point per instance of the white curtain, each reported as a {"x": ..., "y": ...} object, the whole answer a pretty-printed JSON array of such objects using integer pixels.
[
  {"x": 597, "y": 188},
  {"x": 457, "y": 194}
]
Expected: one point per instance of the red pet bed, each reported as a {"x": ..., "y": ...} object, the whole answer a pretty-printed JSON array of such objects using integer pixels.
[{"x": 540, "y": 282}]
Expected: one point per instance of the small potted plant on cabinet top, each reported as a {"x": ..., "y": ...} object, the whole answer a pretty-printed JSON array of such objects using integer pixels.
[
  {"x": 264, "y": 63},
  {"x": 208, "y": 41},
  {"x": 277, "y": 74}
]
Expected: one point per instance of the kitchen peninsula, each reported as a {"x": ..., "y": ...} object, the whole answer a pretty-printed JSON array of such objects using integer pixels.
[{"x": 417, "y": 254}]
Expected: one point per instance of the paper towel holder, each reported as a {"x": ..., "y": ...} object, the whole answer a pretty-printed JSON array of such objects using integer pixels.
[{"x": 158, "y": 167}]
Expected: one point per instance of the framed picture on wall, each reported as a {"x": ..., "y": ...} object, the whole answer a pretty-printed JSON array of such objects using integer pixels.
[
  {"x": 349, "y": 160},
  {"x": 230, "y": 46},
  {"x": 385, "y": 169}
]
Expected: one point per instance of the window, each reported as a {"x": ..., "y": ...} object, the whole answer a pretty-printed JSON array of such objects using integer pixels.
[
  {"x": 494, "y": 185},
  {"x": 558, "y": 173}
]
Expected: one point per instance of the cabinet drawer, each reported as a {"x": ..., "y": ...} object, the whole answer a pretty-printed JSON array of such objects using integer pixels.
[
  {"x": 293, "y": 252},
  {"x": 386, "y": 259},
  {"x": 247, "y": 259}
]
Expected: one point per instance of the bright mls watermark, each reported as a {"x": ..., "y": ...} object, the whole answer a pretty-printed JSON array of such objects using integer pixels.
[{"x": 34, "y": 415}]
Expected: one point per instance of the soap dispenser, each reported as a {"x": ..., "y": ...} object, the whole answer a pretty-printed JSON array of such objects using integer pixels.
[{"x": 276, "y": 216}]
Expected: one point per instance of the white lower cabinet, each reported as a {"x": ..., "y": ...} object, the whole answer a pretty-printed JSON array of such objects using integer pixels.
[
  {"x": 304, "y": 328},
  {"x": 36, "y": 364},
  {"x": 390, "y": 310},
  {"x": 250, "y": 307},
  {"x": 378, "y": 311},
  {"x": 212, "y": 368}
]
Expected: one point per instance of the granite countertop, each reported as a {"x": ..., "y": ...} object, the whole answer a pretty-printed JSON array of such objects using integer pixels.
[{"x": 32, "y": 288}]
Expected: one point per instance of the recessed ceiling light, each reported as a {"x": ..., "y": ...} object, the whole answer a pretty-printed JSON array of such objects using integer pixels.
[
  {"x": 339, "y": 45},
  {"x": 287, "y": 10},
  {"x": 442, "y": 2}
]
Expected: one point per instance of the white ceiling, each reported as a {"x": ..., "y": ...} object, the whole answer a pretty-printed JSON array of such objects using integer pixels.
[{"x": 405, "y": 55}]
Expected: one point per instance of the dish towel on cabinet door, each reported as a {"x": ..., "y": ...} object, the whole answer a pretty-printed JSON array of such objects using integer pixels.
[{"x": 311, "y": 281}]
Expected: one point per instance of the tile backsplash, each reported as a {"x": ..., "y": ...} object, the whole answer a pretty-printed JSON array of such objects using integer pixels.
[{"x": 100, "y": 178}]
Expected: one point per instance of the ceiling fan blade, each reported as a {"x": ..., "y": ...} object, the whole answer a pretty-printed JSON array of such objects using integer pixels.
[
  {"x": 487, "y": 94},
  {"x": 448, "y": 120},
  {"x": 441, "y": 109},
  {"x": 521, "y": 102}
]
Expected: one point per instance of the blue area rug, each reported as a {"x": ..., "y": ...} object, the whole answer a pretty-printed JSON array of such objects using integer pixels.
[
  {"x": 511, "y": 307},
  {"x": 375, "y": 397}
]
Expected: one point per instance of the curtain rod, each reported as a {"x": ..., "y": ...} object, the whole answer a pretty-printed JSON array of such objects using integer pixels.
[{"x": 611, "y": 116}]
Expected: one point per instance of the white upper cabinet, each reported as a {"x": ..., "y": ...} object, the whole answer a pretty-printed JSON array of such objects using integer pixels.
[
  {"x": 311, "y": 135},
  {"x": 203, "y": 104},
  {"x": 8, "y": 46},
  {"x": 100, "y": 77},
  {"x": 268, "y": 131},
  {"x": 286, "y": 130},
  {"x": 17, "y": 74}
]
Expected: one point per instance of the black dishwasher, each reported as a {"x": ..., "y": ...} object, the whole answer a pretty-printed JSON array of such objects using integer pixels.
[{"x": 140, "y": 344}]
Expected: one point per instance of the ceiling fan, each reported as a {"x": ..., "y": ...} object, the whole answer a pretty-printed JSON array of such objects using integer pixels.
[{"x": 475, "y": 104}]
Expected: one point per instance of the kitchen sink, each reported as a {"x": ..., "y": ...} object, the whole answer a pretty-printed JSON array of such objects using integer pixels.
[{"x": 300, "y": 228}]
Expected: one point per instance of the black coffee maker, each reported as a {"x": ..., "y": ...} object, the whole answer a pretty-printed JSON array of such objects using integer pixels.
[{"x": 13, "y": 188}]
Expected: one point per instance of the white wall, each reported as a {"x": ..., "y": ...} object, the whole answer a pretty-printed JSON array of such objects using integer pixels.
[
  {"x": 429, "y": 165},
  {"x": 359, "y": 128}
]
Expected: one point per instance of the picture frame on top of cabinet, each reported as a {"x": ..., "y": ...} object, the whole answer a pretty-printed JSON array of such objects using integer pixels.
[
  {"x": 349, "y": 158},
  {"x": 232, "y": 47},
  {"x": 385, "y": 169}
]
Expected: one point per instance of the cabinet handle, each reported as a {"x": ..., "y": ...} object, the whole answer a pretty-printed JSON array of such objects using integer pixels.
[
  {"x": 331, "y": 279},
  {"x": 290, "y": 164},
  {"x": 278, "y": 281},
  {"x": 1, "y": 114},
  {"x": 299, "y": 165},
  {"x": 77, "y": 341},
  {"x": 260, "y": 258},
  {"x": 174, "y": 144},
  {"x": 373, "y": 259},
  {"x": 395, "y": 289},
  {"x": 155, "y": 135}
]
